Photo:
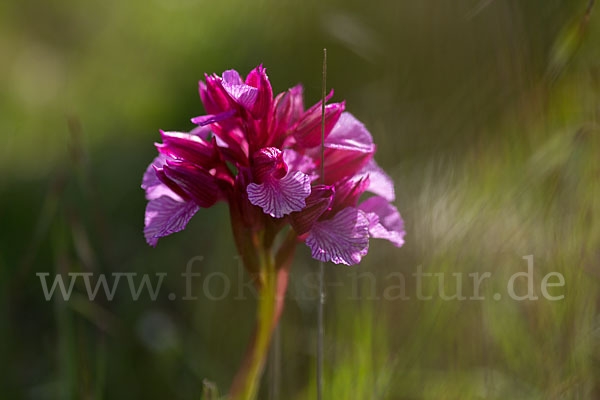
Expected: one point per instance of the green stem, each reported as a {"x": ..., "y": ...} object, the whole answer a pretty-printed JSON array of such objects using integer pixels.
[{"x": 271, "y": 286}]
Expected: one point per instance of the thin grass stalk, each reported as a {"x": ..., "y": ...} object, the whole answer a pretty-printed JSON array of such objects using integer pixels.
[{"x": 320, "y": 332}]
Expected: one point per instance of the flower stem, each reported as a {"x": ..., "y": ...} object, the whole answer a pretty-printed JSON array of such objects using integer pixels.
[{"x": 271, "y": 286}]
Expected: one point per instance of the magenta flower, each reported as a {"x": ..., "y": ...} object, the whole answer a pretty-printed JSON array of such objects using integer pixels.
[{"x": 262, "y": 156}]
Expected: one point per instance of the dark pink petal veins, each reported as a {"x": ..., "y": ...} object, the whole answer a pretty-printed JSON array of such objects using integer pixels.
[
  {"x": 343, "y": 239},
  {"x": 165, "y": 215},
  {"x": 279, "y": 197}
]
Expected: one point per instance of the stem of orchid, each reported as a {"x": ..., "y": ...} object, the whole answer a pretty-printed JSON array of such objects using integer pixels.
[{"x": 272, "y": 284}]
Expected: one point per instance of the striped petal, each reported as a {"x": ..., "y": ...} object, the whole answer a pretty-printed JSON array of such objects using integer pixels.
[
  {"x": 279, "y": 197},
  {"x": 244, "y": 95},
  {"x": 343, "y": 239},
  {"x": 166, "y": 215}
]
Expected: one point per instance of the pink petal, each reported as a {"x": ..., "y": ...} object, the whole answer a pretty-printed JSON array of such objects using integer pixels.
[
  {"x": 299, "y": 162},
  {"x": 202, "y": 132},
  {"x": 344, "y": 239},
  {"x": 385, "y": 220},
  {"x": 288, "y": 108},
  {"x": 308, "y": 130},
  {"x": 188, "y": 147},
  {"x": 317, "y": 203},
  {"x": 197, "y": 183},
  {"x": 258, "y": 78},
  {"x": 348, "y": 148},
  {"x": 152, "y": 184},
  {"x": 379, "y": 182},
  {"x": 166, "y": 215},
  {"x": 213, "y": 96},
  {"x": 347, "y": 193},
  {"x": 279, "y": 197},
  {"x": 204, "y": 120},
  {"x": 350, "y": 134},
  {"x": 241, "y": 93},
  {"x": 232, "y": 77}
]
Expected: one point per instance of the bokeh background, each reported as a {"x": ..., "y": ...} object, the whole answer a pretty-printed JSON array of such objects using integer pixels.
[{"x": 485, "y": 114}]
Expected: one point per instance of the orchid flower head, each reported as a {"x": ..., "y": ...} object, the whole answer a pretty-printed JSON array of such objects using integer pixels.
[{"x": 262, "y": 155}]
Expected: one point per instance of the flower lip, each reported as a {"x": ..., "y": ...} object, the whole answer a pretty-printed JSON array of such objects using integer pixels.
[
  {"x": 164, "y": 216},
  {"x": 280, "y": 197},
  {"x": 343, "y": 239}
]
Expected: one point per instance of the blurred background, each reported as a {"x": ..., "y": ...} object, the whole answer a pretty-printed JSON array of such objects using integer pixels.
[{"x": 484, "y": 112}]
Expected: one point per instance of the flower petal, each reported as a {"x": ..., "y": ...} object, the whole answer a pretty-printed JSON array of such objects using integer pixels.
[
  {"x": 385, "y": 220},
  {"x": 350, "y": 134},
  {"x": 244, "y": 95},
  {"x": 299, "y": 162},
  {"x": 348, "y": 148},
  {"x": 258, "y": 78},
  {"x": 379, "y": 182},
  {"x": 268, "y": 163},
  {"x": 317, "y": 203},
  {"x": 204, "y": 120},
  {"x": 279, "y": 197},
  {"x": 196, "y": 182},
  {"x": 165, "y": 215},
  {"x": 287, "y": 110},
  {"x": 213, "y": 96},
  {"x": 152, "y": 184},
  {"x": 344, "y": 239},
  {"x": 203, "y": 132},
  {"x": 188, "y": 147},
  {"x": 308, "y": 130},
  {"x": 347, "y": 193}
]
